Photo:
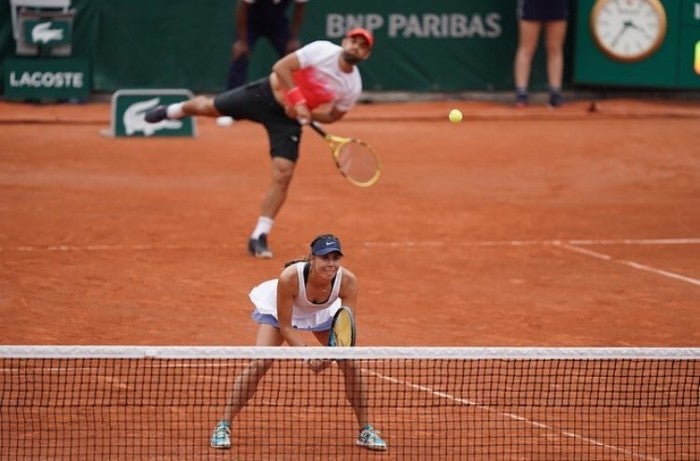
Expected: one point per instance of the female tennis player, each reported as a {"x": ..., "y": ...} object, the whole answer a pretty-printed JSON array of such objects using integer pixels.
[{"x": 306, "y": 295}]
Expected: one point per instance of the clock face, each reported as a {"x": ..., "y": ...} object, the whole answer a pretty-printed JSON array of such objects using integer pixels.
[{"x": 628, "y": 30}]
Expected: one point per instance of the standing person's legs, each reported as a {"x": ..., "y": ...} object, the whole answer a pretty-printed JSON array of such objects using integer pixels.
[
  {"x": 284, "y": 135},
  {"x": 356, "y": 394},
  {"x": 238, "y": 68},
  {"x": 279, "y": 37},
  {"x": 555, "y": 34},
  {"x": 282, "y": 172},
  {"x": 245, "y": 385},
  {"x": 529, "y": 32}
]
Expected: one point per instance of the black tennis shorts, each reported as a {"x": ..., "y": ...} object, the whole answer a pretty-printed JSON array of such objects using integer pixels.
[
  {"x": 255, "y": 102},
  {"x": 543, "y": 10}
]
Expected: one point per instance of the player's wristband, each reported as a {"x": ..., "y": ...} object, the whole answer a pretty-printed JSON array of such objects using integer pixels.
[{"x": 295, "y": 97}]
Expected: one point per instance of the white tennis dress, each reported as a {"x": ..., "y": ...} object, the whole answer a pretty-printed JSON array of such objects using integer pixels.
[{"x": 305, "y": 314}]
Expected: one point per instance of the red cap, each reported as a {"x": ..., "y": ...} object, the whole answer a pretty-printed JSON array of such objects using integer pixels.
[{"x": 364, "y": 33}]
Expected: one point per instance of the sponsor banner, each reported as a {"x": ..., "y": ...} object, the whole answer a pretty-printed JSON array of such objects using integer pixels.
[
  {"x": 443, "y": 45},
  {"x": 130, "y": 106},
  {"x": 47, "y": 32},
  {"x": 44, "y": 33},
  {"x": 47, "y": 79}
]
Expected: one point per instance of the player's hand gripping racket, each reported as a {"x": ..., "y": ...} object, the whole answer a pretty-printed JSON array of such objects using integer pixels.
[
  {"x": 354, "y": 158},
  {"x": 342, "y": 328},
  {"x": 342, "y": 334}
]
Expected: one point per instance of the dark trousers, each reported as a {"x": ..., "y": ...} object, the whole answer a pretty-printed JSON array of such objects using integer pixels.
[{"x": 238, "y": 69}]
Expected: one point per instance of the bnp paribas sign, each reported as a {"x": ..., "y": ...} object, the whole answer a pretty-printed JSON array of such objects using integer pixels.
[
  {"x": 130, "y": 106},
  {"x": 47, "y": 79}
]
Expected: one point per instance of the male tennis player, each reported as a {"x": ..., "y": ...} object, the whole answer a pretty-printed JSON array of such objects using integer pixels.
[
  {"x": 306, "y": 295},
  {"x": 319, "y": 81}
]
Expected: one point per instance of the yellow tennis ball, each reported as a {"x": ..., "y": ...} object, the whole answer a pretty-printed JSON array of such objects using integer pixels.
[{"x": 455, "y": 116}]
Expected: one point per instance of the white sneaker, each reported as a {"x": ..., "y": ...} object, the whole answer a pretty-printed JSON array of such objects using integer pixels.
[
  {"x": 369, "y": 438},
  {"x": 221, "y": 438}
]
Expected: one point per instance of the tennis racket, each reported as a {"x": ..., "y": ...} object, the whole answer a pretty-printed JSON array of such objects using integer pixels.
[
  {"x": 342, "y": 328},
  {"x": 354, "y": 158}
]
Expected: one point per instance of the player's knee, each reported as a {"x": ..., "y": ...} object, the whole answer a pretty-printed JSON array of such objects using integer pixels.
[{"x": 282, "y": 173}]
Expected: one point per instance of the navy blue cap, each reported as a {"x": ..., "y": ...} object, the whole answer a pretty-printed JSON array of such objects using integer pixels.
[{"x": 326, "y": 244}]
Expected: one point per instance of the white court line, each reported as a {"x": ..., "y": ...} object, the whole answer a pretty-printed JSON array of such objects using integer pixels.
[
  {"x": 571, "y": 245},
  {"x": 69, "y": 248},
  {"x": 512, "y": 416},
  {"x": 371, "y": 244},
  {"x": 440, "y": 243},
  {"x": 632, "y": 264}
]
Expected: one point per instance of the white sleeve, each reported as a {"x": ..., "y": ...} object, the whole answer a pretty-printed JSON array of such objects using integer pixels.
[{"x": 315, "y": 52}]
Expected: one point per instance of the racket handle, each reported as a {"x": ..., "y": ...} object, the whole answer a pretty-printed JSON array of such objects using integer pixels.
[{"x": 317, "y": 128}]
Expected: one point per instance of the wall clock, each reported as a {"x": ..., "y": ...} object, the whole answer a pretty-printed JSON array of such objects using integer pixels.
[{"x": 628, "y": 30}]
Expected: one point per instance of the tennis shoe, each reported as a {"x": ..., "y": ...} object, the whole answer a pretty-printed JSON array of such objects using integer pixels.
[
  {"x": 221, "y": 438},
  {"x": 258, "y": 247},
  {"x": 521, "y": 99},
  {"x": 157, "y": 114},
  {"x": 555, "y": 99},
  {"x": 369, "y": 438}
]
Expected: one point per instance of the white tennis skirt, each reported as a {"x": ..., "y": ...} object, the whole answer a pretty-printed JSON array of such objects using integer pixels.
[{"x": 264, "y": 298}]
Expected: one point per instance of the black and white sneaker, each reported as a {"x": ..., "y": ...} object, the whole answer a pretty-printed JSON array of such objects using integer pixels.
[
  {"x": 258, "y": 247},
  {"x": 157, "y": 114}
]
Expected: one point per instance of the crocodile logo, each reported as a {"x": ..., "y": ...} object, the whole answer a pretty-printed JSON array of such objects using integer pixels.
[
  {"x": 134, "y": 121},
  {"x": 43, "y": 33}
]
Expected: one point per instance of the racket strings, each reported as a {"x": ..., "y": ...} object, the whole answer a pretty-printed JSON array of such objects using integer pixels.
[
  {"x": 343, "y": 329},
  {"x": 357, "y": 162}
]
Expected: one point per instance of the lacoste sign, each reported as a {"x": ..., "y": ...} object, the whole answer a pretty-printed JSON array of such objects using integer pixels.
[
  {"x": 40, "y": 79},
  {"x": 46, "y": 79},
  {"x": 130, "y": 106},
  {"x": 53, "y": 33}
]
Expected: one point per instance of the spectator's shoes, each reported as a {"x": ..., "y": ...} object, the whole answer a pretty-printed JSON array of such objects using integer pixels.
[
  {"x": 556, "y": 100},
  {"x": 221, "y": 438},
  {"x": 157, "y": 114},
  {"x": 369, "y": 438},
  {"x": 520, "y": 99},
  {"x": 258, "y": 247}
]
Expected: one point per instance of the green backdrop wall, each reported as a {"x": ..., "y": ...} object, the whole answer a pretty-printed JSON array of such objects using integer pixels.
[
  {"x": 671, "y": 66},
  {"x": 441, "y": 45}
]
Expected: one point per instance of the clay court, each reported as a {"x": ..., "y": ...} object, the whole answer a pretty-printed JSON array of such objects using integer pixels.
[
  {"x": 575, "y": 227},
  {"x": 515, "y": 227}
]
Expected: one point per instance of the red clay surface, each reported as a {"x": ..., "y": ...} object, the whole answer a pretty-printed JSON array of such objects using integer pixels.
[{"x": 516, "y": 227}]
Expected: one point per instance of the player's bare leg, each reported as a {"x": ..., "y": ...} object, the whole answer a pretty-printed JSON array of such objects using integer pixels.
[
  {"x": 200, "y": 105},
  {"x": 245, "y": 385},
  {"x": 528, "y": 36},
  {"x": 282, "y": 172},
  {"x": 356, "y": 393},
  {"x": 555, "y": 32}
]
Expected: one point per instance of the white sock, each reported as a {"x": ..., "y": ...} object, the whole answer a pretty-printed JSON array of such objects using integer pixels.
[
  {"x": 175, "y": 110},
  {"x": 264, "y": 226}
]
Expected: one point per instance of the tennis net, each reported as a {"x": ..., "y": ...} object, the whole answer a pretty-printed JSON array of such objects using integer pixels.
[{"x": 134, "y": 402}]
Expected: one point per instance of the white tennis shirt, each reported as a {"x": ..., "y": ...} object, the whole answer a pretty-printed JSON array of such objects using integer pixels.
[{"x": 321, "y": 80}]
